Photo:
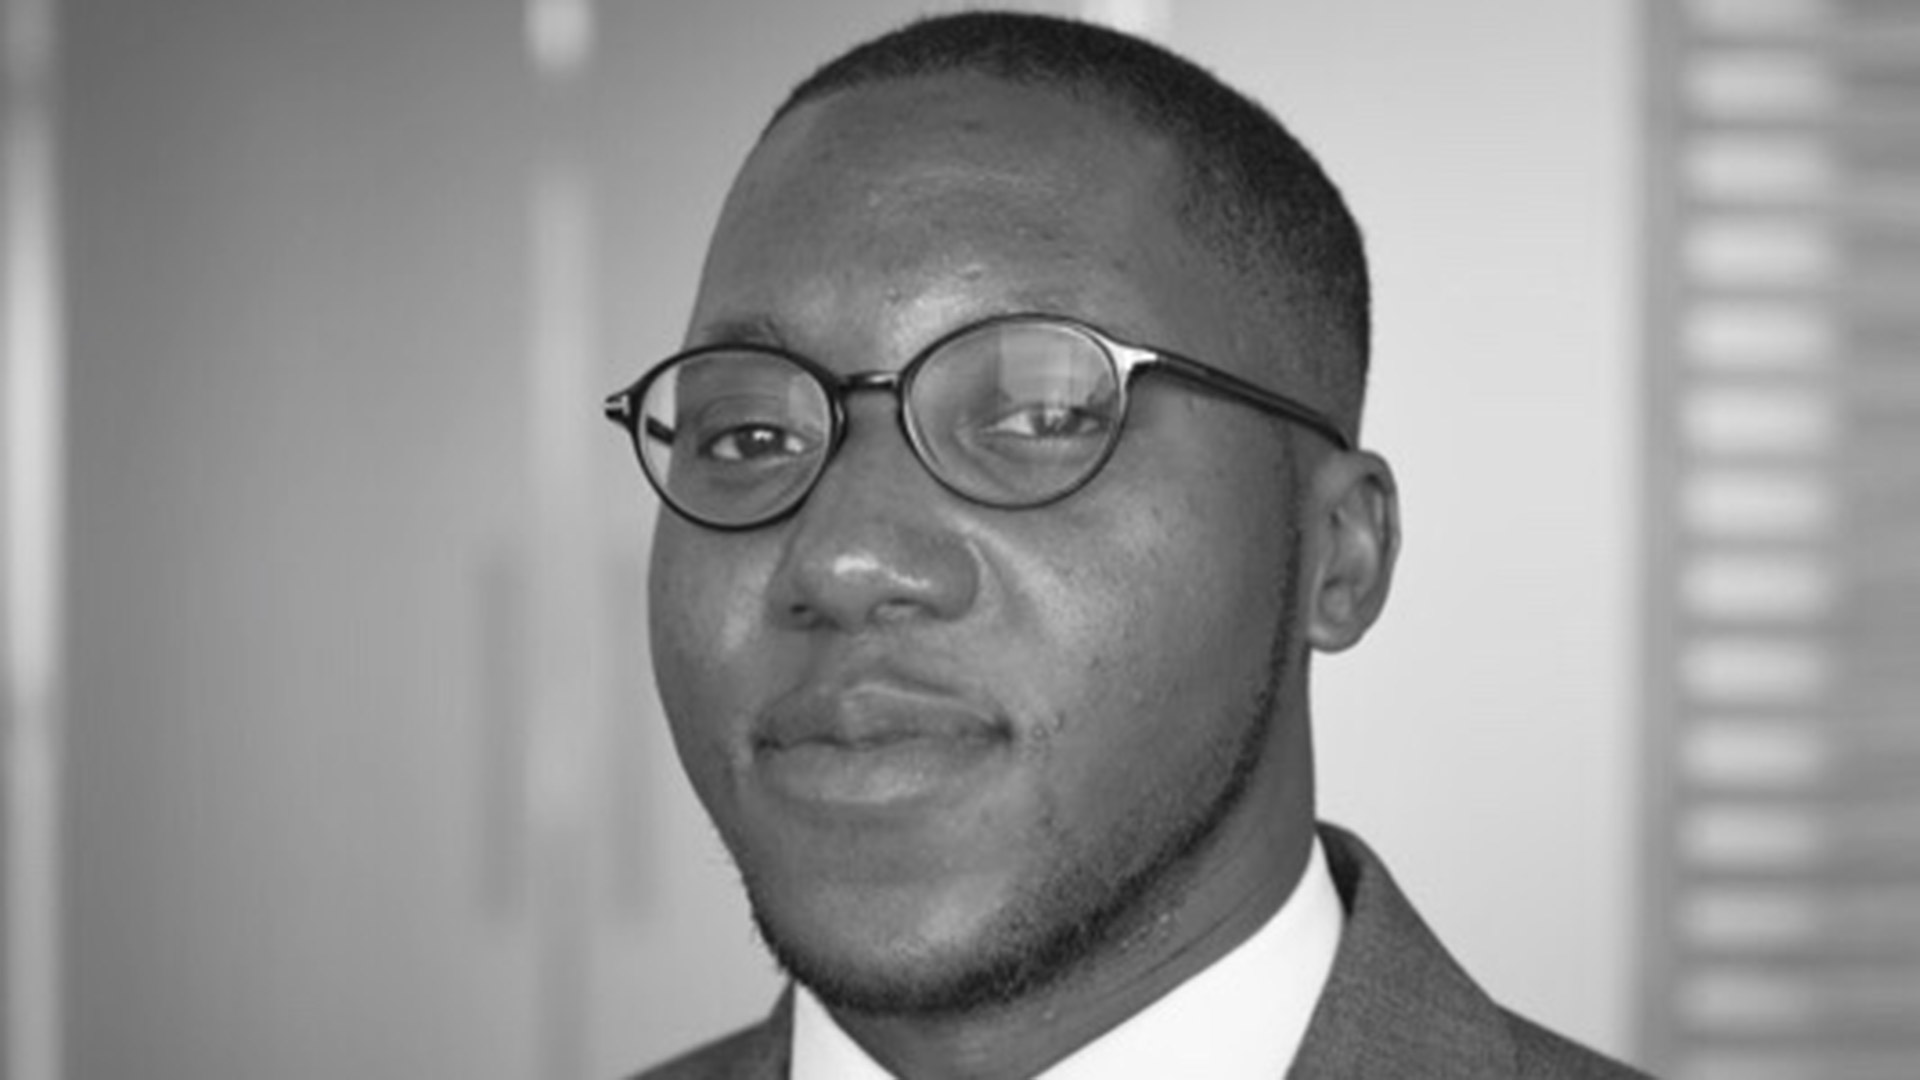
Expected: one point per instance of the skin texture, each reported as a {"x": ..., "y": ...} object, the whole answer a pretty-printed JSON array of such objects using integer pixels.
[{"x": 944, "y": 741}]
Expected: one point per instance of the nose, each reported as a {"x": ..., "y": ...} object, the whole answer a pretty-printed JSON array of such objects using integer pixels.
[{"x": 875, "y": 543}]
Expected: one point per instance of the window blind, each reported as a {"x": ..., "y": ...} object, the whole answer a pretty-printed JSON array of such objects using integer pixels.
[{"x": 1782, "y": 923}]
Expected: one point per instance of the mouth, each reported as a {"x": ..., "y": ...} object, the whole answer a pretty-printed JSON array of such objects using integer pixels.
[{"x": 877, "y": 747}]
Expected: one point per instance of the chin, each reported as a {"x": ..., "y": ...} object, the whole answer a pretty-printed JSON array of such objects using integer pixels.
[
  {"x": 880, "y": 978},
  {"x": 955, "y": 956}
]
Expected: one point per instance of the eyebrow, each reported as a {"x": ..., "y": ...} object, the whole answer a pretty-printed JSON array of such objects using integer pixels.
[
  {"x": 765, "y": 329},
  {"x": 742, "y": 330}
]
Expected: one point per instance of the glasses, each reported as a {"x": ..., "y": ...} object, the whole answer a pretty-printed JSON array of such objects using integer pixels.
[{"x": 1014, "y": 412}]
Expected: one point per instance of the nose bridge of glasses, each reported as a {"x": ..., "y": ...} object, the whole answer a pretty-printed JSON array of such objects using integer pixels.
[
  {"x": 857, "y": 381},
  {"x": 888, "y": 382},
  {"x": 845, "y": 386},
  {"x": 882, "y": 381}
]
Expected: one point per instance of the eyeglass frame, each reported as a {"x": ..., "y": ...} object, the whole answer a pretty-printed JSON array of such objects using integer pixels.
[{"x": 1128, "y": 361}]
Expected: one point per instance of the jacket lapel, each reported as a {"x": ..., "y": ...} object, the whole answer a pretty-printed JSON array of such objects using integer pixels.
[{"x": 1396, "y": 1004}]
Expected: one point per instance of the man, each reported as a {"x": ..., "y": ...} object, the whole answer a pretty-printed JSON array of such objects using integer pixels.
[{"x": 1013, "y": 479}]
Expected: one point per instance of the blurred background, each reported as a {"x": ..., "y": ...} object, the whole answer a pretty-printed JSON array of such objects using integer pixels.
[{"x": 331, "y": 747}]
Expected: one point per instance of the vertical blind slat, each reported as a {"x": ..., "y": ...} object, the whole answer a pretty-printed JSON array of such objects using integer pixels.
[{"x": 1783, "y": 613}]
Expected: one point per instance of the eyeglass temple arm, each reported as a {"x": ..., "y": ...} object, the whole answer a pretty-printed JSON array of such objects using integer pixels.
[
  {"x": 620, "y": 409},
  {"x": 1257, "y": 396}
]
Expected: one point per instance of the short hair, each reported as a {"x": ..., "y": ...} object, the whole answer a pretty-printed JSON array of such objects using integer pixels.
[{"x": 1254, "y": 196}]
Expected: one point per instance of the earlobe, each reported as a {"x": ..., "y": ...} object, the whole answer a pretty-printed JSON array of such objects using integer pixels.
[{"x": 1353, "y": 539}]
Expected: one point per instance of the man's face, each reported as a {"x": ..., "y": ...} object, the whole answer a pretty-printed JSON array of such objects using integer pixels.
[{"x": 953, "y": 748}]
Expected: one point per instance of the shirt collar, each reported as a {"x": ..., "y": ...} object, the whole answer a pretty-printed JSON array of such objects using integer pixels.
[{"x": 1243, "y": 1016}]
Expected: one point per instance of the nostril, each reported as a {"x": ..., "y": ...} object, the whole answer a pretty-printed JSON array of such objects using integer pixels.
[
  {"x": 801, "y": 615},
  {"x": 897, "y": 611}
]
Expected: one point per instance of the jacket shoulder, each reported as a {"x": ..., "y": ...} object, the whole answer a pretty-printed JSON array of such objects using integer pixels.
[
  {"x": 1545, "y": 1055},
  {"x": 1398, "y": 1004},
  {"x": 754, "y": 1053}
]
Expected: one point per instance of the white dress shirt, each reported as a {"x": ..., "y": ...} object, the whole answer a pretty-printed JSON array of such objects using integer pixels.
[{"x": 1243, "y": 1016}]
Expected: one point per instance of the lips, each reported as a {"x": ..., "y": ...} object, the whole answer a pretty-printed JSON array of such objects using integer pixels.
[{"x": 877, "y": 744}]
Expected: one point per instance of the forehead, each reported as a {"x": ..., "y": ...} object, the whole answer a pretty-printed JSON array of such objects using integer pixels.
[
  {"x": 962, "y": 127},
  {"x": 936, "y": 199}
]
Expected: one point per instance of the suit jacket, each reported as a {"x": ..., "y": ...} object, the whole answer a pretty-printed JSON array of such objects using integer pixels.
[{"x": 1395, "y": 1005}]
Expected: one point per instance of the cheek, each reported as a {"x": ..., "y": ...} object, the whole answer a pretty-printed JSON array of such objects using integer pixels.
[
  {"x": 1160, "y": 647},
  {"x": 1178, "y": 590},
  {"x": 702, "y": 603},
  {"x": 704, "y": 589}
]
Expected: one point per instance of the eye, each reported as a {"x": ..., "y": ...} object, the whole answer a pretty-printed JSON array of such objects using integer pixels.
[
  {"x": 747, "y": 443},
  {"x": 1048, "y": 420}
]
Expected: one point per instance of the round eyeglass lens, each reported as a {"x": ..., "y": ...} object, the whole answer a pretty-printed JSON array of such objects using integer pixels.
[
  {"x": 734, "y": 437},
  {"x": 1017, "y": 413}
]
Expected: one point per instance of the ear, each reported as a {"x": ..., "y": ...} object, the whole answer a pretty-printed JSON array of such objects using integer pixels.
[{"x": 1352, "y": 539}]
